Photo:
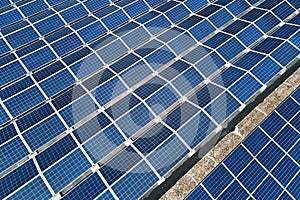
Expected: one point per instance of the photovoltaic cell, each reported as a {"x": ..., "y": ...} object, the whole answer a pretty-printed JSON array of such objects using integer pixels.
[
  {"x": 81, "y": 81},
  {"x": 264, "y": 165}
]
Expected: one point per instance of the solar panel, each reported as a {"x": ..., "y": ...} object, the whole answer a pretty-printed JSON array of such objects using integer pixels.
[
  {"x": 267, "y": 163},
  {"x": 116, "y": 94}
]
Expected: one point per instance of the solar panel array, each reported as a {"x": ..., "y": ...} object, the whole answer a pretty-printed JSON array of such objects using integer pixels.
[
  {"x": 267, "y": 163},
  {"x": 103, "y": 99}
]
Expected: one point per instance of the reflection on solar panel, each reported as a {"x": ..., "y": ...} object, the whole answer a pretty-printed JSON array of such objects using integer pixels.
[
  {"x": 103, "y": 99},
  {"x": 267, "y": 163}
]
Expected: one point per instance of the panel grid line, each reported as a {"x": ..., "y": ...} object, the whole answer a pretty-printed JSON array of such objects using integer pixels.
[{"x": 102, "y": 104}]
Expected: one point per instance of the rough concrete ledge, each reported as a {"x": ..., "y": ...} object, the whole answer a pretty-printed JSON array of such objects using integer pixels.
[{"x": 216, "y": 155}]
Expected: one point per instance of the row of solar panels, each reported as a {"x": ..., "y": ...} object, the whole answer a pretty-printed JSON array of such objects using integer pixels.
[
  {"x": 190, "y": 68},
  {"x": 40, "y": 54},
  {"x": 267, "y": 163},
  {"x": 80, "y": 29}
]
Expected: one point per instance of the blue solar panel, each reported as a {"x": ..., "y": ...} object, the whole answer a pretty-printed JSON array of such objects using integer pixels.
[
  {"x": 80, "y": 80},
  {"x": 265, "y": 165},
  {"x": 89, "y": 189}
]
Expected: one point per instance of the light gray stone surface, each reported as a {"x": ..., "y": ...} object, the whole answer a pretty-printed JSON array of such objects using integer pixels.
[{"x": 216, "y": 155}]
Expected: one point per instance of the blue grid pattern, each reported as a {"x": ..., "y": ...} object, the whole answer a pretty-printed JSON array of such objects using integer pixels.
[
  {"x": 266, "y": 165},
  {"x": 112, "y": 66}
]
